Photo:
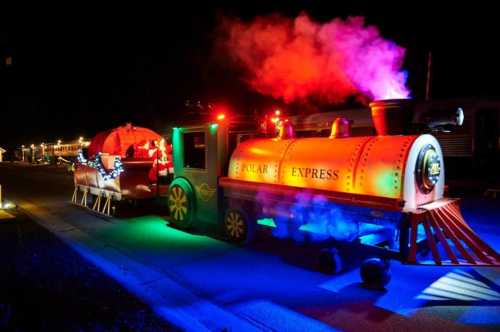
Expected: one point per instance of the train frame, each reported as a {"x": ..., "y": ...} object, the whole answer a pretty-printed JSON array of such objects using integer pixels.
[
  {"x": 238, "y": 176},
  {"x": 201, "y": 191}
]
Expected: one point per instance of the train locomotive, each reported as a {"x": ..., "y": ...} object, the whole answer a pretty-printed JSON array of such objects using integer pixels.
[{"x": 381, "y": 194}]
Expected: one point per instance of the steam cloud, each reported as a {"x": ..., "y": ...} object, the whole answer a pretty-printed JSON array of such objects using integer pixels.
[{"x": 298, "y": 59}]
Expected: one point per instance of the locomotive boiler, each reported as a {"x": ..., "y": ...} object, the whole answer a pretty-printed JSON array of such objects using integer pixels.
[
  {"x": 405, "y": 169},
  {"x": 382, "y": 194}
]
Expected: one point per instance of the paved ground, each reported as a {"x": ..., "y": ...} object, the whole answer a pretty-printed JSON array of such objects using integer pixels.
[
  {"x": 271, "y": 286},
  {"x": 49, "y": 287}
]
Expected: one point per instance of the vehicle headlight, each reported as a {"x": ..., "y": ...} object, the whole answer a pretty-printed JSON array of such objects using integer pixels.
[{"x": 428, "y": 168}]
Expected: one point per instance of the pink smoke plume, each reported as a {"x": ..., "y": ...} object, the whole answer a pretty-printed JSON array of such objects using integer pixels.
[{"x": 295, "y": 59}]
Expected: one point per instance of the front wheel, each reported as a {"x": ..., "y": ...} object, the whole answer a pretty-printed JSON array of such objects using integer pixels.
[
  {"x": 180, "y": 206},
  {"x": 375, "y": 273},
  {"x": 238, "y": 227}
]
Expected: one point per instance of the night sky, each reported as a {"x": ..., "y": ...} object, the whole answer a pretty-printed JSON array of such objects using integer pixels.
[{"x": 78, "y": 70}]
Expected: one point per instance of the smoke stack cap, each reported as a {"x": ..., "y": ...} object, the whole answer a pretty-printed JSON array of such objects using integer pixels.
[{"x": 392, "y": 116}]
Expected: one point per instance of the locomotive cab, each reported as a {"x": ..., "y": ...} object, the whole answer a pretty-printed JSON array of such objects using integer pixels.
[{"x": 201, "y": 155}]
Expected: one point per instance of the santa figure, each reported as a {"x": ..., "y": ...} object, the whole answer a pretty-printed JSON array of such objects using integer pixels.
[{"x": 161, "y": 154}]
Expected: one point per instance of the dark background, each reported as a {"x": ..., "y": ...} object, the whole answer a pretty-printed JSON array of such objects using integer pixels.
[{"x": 77, "y": 70}]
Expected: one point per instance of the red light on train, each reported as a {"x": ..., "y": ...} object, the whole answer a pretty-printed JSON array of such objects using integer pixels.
[{"x": 221, "y": 116}]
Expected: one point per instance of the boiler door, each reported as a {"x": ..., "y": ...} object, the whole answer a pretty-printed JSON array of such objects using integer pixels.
[{"x": 428, "y": 169}]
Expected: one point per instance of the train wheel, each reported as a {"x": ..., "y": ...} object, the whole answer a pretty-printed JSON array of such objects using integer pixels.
[
  {"x": 239, "y": 229},
  {"x": 330, "y": 261},
  {"x": 375, "y": 273},
  {"x": 180, "y": 206}
]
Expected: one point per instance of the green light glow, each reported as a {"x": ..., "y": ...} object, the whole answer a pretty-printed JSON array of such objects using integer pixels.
[
  {"x": 213, "y": 127},
  {"x": 150, "y": 233},
  {"x": 177, "y": 146},
  {"x": 386, "y": 183},
  {"x": 312, "y": 228},
  {"x": 266, "y": 222}
]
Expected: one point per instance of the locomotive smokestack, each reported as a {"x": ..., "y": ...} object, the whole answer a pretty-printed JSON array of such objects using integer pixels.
[{"x": 392, "y": 116}]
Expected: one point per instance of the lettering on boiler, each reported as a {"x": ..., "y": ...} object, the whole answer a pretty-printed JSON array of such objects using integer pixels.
[
  {"x": 316, "y": 173},
  {"x": 255, "y": 168}
]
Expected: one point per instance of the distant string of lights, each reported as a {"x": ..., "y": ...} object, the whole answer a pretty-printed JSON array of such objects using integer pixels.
[{"x": 97, "y": 164}]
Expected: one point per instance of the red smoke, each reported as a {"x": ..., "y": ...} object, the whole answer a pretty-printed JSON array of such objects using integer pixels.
[{"x": 296, "y": 59}]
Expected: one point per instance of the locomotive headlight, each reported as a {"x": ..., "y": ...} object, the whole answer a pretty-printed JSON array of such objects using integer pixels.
[{"x": 428, "y": 168}]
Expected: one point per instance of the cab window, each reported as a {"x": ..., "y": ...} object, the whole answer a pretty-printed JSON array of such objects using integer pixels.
[{"x": 194, "y": 150}]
